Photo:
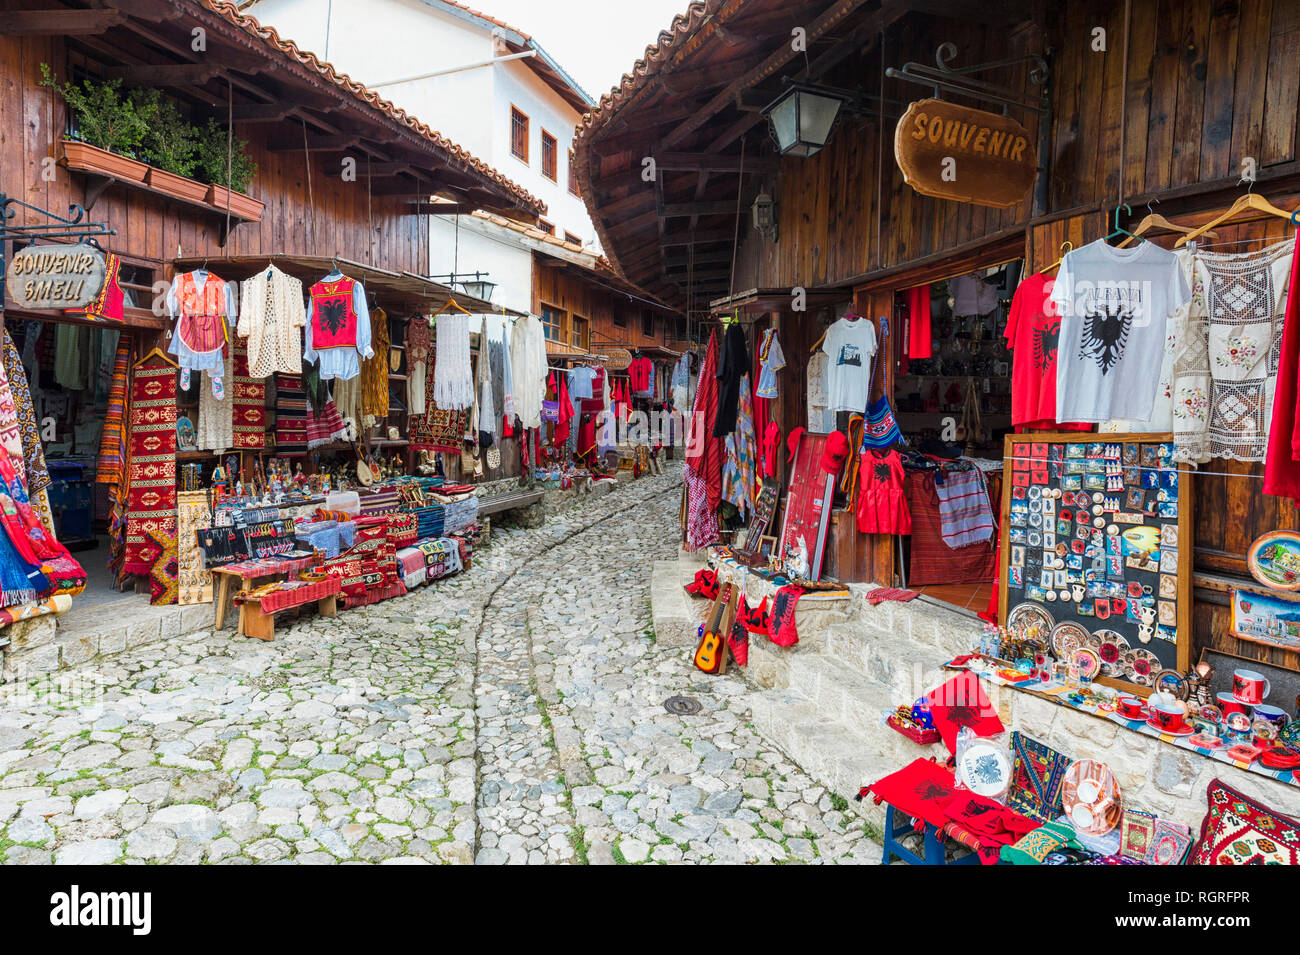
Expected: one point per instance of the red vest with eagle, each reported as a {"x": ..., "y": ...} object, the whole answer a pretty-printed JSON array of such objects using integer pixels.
[{"x": 333, "y": 319}]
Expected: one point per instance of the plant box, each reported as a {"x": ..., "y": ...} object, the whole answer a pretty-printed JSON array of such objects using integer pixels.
[
  {"x": 88, "y": 158},
  {"x": 245, "y": 207},
  {"x": 177, "y": 185}
]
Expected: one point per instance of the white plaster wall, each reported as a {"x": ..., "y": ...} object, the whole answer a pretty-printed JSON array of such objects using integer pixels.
[{"x": 508, "y": 263}]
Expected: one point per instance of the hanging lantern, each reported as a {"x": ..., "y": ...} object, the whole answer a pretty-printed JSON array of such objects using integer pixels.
[{"x": 802, "y": 117}]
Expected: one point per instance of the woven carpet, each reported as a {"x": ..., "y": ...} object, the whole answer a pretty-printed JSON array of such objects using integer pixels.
[
  {"x": 437, "y": 429},
  {"x": 290, "y": 415},
  {"x": 249, "y": 397},
  {"x": 151, "y": 498}
]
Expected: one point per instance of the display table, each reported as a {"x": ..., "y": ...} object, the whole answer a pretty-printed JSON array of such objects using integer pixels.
[
  {"x": 248, "y": 573},
  {"x": 257, "y": 613}
]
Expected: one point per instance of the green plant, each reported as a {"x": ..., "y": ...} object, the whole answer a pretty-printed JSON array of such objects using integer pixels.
[
  {"x": 102, "y": 114},
  {"x": 212, "y": 158},
  {"x": 171, "y": 142}
]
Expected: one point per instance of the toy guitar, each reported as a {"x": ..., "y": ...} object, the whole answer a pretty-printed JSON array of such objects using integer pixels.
[{"x": 712, "y": 648}]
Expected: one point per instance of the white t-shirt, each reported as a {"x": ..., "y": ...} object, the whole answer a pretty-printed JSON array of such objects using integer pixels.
[
  {"x": 850, "y": 345},
  {"x": 1114, "y": 304}
]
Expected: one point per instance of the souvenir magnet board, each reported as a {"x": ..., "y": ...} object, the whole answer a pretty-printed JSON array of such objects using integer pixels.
[{"x": 1107, "y": 524}]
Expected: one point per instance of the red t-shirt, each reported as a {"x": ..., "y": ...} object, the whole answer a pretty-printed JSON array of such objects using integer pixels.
[
  {"x": 1033, "y": 329},
  {"x": 638, "y": 371}
]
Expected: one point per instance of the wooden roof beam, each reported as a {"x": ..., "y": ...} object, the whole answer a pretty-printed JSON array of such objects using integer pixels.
[
  {"x": 713, "y": 162},
  {"x": 59, "y": 22},
  {"x": 698, "y": 237},
  {"x": 166, "y": 74}
]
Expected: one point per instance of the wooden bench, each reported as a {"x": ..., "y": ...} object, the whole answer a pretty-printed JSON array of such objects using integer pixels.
[
  {"x": 257, "y": 614},
  {"x": 246, "y": 575},
  {"x": 509, "y": 502}
]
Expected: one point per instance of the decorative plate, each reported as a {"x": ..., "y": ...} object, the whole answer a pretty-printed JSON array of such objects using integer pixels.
[
  {"x": 1145, "y": 666},
  {"x": 1091, "y": 797},
  {"x": 1029, "y": 613},
  {"x": 1274, "y": 560},
  {"x": 1086, "y": 659},
  {"x": 1111, "y": 647},
  {"x": 1290, "y": 736},
  {"x": 984, "y": 769},
  {"x": 1068, "y": 636},
  {"x": 1171, "y": 681}
]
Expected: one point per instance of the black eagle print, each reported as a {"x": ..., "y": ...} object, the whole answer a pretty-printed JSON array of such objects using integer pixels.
[
  {"x": 332, "y": 315},
  {"x": 1047, "y": 338},
  {"x": 1105, "y": 333},
  {"x": 881, "y": 469}
]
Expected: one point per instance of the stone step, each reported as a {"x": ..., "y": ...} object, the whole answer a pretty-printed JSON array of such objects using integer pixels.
[
  {"x": 672, "y": 613},
  {"x": 827, "y": 750},
  {"x": 908, "y": 669},
  {"x": 918, "y": 621}
]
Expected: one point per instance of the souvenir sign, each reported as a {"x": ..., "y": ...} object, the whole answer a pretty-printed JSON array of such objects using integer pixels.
[
  {"x": 1125, "y": 593},
  {"x": 55, "y": 276},
  {"x": 1274, "y": 560}
]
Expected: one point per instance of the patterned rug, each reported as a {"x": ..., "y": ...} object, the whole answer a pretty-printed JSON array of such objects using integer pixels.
[
  {"x": 111, "y": 468},
  {"x": 151, "y": 498},
  {"x": 290, "y": 415},
  {"x": 249, "y": 397},
  {"x": 163, "y": 574},
  {"x": 437, "y": 429},
  {"x": 192, "y": 514}
]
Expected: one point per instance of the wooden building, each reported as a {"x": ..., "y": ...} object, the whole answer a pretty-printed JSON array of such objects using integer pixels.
[{"x": 1127, "y": 104}]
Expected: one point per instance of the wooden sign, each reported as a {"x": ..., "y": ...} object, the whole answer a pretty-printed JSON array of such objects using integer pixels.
[
  {"x": 969, "y": 155},
  {"x": 55, "y": 276}
]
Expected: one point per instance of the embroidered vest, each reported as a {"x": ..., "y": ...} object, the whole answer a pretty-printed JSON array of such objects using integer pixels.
[
  {"x": 333, "y": 319},
  {"x": 202, "y": 325}
]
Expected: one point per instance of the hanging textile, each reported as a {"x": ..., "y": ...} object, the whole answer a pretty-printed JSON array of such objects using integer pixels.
[
  {"x": 151, "y": 498},
  {"x": 248, "y": 408},
  {"x": 918, "y": 322},
  {"x": 338, "y": 329},
  {"x": 324, "y": 426},
  {"x": 194, "y": 584},
  {"x": 496, "y": 354},
  {"x": 108, "y": 304},
  {"x": 964, "y": 510},
  {"x": 733, "y": 364},
  {"x": 565, "y": 412},
  {"x": 1227, "y": 362},
  {"x": 704, "y": 451},
  {"x": 486, "y": 410},
  {"x": 820, "y": 419},
  {"x": 347, "y": 398},
  {"x": 374, "y": 373},
  {"x": 453, "y": 383},
  {"x": 36, "y": 473},
  {"x": 701, "y": 519},
  {"x": 290, "y": 415},
  {"x": 203, "y": 307},
  {"x": 438, "y": 429},
  {"x": 216, "y": 431},
  {"x": 111, "y": 466},
  {"x": 528, "y": 369},
  {"x": 271, "y": 318},
  {"x": 1282, "y": 466},
  {"x": 419, "y": 342},
  {"x": 11, "y": 438},
  {"x": 738, "y": 474}
]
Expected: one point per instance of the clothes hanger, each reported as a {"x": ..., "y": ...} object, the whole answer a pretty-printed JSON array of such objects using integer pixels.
[
  {"x": 1066, "y": 247},
  {"x": 1120, "y": 230},
  {"x": 1155, "y": 220},
  {"x": 1249, "y": 201},
  {"x": 452, "y": 303},
  {"x": 160, "y": 353},
  {"x": 817, "y": 344}
]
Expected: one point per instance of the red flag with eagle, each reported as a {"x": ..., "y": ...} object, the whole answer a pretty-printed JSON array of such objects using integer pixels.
[{"x": 962, "y": 702}]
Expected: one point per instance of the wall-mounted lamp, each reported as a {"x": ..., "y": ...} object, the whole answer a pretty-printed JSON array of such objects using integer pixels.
[{"x": 764, "y": 214}]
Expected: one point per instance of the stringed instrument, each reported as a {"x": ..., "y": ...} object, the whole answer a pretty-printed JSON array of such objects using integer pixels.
[{"x": 711, "y": 651}]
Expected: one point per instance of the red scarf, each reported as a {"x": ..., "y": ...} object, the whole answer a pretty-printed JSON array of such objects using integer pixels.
[
  {"x": 706, "y": 461},
  {"x": 962, "y": 702},
  {"x": 1282, "y": 464},
  {"x": 564, "y": 414},
  {"x": 922, "y": 790}
]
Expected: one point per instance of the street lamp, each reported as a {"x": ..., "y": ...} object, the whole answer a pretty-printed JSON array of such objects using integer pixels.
[
  {"x": 478, "y": 286},
  {"x": 802, "y": 117}
]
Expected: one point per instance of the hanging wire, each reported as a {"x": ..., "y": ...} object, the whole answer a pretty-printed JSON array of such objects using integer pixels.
[
  {"x": 311, "y": 199},
  {"x": 735, "y": 240},
  {"x": 230, "y": 151}
]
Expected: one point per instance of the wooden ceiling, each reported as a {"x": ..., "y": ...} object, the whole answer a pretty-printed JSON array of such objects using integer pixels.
[{"x": 268, "y": 80}]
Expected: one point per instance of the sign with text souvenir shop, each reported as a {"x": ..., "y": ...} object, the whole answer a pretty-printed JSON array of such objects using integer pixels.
[
  {"x": 968, "y": 155},
  {"x": 1096, "y": 552},
  {"x": 55, "y": 276}
]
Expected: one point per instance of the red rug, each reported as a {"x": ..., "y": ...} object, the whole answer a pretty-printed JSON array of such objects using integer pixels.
[
  {"x": 248, "y": 404},
  {"x": 437, "y": 429},
  {"x": 1237, "y": 830},
  {"x": 151, "y": 498}
]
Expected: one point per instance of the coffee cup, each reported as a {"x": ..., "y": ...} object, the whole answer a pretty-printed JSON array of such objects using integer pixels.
[
  {"x": 1249, "y": 686},
  {"x": 1229, "y": 703},
  {"x": 1167, "y": 717},
  {"x": 1274, "y": 716},
  {"x": 1133, "y": 707}
]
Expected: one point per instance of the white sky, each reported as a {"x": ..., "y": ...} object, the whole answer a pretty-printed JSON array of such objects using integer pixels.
[{"x": 596, "y": 41}]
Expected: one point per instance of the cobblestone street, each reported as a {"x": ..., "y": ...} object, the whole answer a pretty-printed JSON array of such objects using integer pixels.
[{"x": 510, "y": 714}]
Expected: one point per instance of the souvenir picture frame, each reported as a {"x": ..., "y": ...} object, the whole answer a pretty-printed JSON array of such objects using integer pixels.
[{"x": 1143, "y": 553}]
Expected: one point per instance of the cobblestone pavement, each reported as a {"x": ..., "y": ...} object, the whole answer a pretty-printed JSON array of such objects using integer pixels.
[{"x": 513, "y": 713}]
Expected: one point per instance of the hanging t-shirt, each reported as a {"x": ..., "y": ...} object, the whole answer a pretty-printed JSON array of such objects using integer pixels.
[
  {"x": 1114, "y": 304},
  {"x": 850, "y": 345},
  {"x": 580, "y": 382},
  {"x": 638, "y": 373},
  {"x": 1033, "y": 330},
  {"x": 773, "y": 360}
]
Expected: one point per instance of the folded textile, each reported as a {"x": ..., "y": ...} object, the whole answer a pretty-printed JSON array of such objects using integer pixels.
[
  {"x": 967, "y": 517},
  {"x": 992, "y": 824},
  {"x": 962, "y": 702},
  {"x": 921, "y": 789},
  {"x": 881, "y": 594}
]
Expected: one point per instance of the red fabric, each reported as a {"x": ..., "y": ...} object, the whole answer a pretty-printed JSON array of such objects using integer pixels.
[
  {"x": 918, "y": 322},
  {"x": 781, "y": 628},
  {"x": 881, "y": 594},
  {"x": 202, "y": 325},
  {"x": 1033, "y": 329},
  {"x": 882, "y": 507},
  {"x": 933, "y": 561},
  {"x": 151, "y": 500},
  {"x": 278, "y": 600},
  {"x": 992, "y": 824},
  {"x": 835, "y": 453},
  {"x": 703, "y": 450},
  {"x": 922, "y": 790},
  {"x": 1282, "y": 464},
  {"x": 962, "y": 702},
  {"x": 565, "y": 413},
  {"x": 771, "y": 449},
  {"x": 333, "y": 319},
  {"x": 638, "y": 372}
]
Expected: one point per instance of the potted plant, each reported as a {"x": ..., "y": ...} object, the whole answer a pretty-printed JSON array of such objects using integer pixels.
[
  {"x": 171, "y": 146},
  {"x": 110, "y": 127},
  {"x": 224, "y": 162}
]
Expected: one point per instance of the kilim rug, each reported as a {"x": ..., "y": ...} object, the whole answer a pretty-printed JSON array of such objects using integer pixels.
[
  {"x": 249, "y": 396},
  {"x": 194, "y": 583},
  {"x": 437, "y": 429},
  {"x": 151, "y": 497},
  {"x": 111, "y": 468},
  {"x": 162, "y": 578},
  {"x": 290, "y": 415}
]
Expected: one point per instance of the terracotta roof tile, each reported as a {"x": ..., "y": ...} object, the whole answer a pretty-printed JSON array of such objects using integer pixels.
[{"x": 271, "y": 38}]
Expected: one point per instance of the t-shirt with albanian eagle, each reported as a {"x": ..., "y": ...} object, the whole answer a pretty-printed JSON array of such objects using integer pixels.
[{"x": 1033, "y": 331}]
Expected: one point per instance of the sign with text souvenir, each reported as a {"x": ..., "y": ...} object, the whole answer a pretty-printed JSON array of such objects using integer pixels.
[
  {"x": 1095, "y": 551},
  {"x": 55, "y": 276},
  {"x": 969, "y": 155}
]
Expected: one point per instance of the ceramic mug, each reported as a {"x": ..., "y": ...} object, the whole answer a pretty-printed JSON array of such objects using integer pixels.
[
  {"x": 1167, "y": 717},
  {"x": 1133, "y": 707},
  {"x": 1249, "y": 686},
  {"x": 1229, "y": 703},
  {"x": 1274, "y": 716}
]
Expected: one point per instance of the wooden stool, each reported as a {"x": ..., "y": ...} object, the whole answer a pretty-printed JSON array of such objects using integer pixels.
[
  {"x": 934, "y": 849},
  {"x": 254, "y": 622}
]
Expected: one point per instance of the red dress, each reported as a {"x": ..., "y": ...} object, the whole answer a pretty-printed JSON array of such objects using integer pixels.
[{"x": 882, "y": 506}]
